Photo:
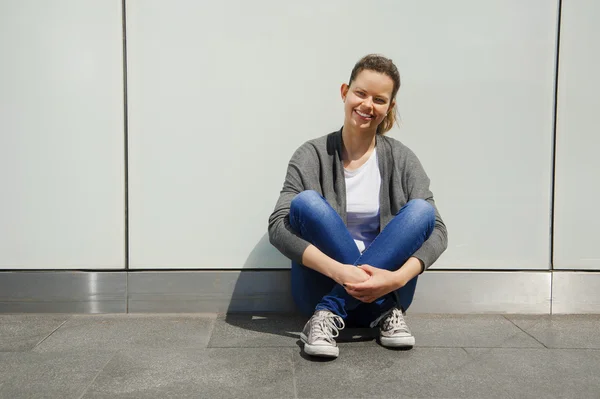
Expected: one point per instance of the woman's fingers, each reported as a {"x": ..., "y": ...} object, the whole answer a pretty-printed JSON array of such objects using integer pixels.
[
  {"x": 361, "y": 296},
  {"x": 368, "y": 268},
  {"x": 356, "y": 287}
]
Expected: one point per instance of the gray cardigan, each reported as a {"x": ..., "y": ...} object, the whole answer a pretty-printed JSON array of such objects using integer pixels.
[{"x": 317, "y": 165}]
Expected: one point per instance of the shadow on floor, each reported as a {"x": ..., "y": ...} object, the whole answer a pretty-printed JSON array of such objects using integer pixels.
[
  {"x": 261, "y": 300},
  {"x": 290, "y": 325}
]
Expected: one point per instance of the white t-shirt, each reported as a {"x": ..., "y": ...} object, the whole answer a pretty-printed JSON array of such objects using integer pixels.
[{"x": 362, "y": 201}]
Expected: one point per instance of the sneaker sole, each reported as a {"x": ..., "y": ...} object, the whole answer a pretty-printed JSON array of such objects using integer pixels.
[
  {"x": 319, "y": 350},
  {"x": 397, "y": 342}
]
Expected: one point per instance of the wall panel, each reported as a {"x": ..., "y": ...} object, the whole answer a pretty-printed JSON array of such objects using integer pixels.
[
  {"x": 62, "y": 137},
  {"x": 222, "y": 93},
  {"x": 577, "y": 185}
]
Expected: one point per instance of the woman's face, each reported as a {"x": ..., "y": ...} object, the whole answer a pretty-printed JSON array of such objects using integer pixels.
[{"x": 367, "y": 100}]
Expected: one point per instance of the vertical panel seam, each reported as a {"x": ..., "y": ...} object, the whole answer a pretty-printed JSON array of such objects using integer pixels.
[
  {"x": 553, "y": 150},
  {"x": 126, "y": 132},
  {"x": 554, "y": 136}
]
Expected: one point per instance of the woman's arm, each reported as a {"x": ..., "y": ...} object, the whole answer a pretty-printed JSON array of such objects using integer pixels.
[
  {"x": 339, "y": 272},
  {"x": 381, "y": 282},
  {"x": 417, "y": 182},
  {"x": 409, "y": 270},
  {"x": 304, "y": 166}
]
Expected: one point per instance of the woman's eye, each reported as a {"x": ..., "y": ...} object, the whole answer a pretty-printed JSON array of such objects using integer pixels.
[
  {"x": 380, "y": 101},
  {"x": 360, "y": 93}
]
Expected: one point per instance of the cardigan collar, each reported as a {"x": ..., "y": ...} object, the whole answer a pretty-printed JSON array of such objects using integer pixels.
[{"x": 335, "y": 145}]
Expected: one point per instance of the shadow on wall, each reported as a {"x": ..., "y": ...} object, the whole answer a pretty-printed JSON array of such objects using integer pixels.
[
  {"x": 261, "y": 299},
  {"x": 263, "y": 285},
  {"x": 264, "y": 255}
]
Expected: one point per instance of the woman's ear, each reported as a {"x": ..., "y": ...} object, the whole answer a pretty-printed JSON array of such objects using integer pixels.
[
  {"x": 392, "y": 105},
  {"x": 344, "y": 91}
]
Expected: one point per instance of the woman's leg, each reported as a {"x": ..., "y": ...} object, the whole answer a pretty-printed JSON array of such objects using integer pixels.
[
  {"x": 401, "y": 238},
  {"x": 314, "y": 219},
  {"x": 318, "y": 223}
]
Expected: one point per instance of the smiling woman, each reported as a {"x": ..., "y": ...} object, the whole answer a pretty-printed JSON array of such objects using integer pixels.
[{"x": 357, "y": 219}]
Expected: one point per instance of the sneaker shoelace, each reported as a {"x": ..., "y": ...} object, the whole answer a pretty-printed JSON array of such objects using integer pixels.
[
  {"x": 326, "y": 326},
  {"x": 395, "y": 322}
]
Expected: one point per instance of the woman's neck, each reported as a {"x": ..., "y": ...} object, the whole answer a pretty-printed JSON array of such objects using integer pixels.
[{"x": 357, "y": 143}]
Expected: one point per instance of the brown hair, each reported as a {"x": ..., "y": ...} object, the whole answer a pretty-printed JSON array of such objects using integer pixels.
[{"x": 381, "y": 64}]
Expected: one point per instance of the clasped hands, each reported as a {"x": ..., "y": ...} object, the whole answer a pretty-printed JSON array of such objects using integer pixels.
[{"x": 366, "y": 283}]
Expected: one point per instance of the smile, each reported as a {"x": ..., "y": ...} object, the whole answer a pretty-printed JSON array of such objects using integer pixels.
[{"x": 366, "y": 116}]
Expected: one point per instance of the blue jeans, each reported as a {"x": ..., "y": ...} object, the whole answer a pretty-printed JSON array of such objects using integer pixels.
[{"x": 318, "y": 223}]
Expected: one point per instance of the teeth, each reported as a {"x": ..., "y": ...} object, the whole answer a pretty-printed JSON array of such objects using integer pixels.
[{"x": 363, "y": 115}]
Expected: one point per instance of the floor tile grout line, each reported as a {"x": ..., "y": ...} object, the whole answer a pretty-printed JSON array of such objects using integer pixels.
[
  {"x": 515, "y": 324},
  {"x": 478, "y": 357},
  {"x": 531, "y": 348},
  {"x": 293, "y": 375},
  {"x": 210, "y": 333},
  {"x": 350, "y": 347},
  {"x": 96, "y": 376},
  {"x": 52, "y": 332},
  {"x": 515, "y": 335}
]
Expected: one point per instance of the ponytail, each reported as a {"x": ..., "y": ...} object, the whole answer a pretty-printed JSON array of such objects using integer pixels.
[{"x": 388, "y": 122}]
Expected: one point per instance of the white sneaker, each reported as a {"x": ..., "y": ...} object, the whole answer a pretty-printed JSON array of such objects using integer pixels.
[
  {"x": 319, "y": 333},
  {"x": 394, "y": 332}
]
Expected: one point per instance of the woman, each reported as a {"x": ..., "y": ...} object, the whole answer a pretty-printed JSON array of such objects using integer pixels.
[{"x": 357, "y": 219}]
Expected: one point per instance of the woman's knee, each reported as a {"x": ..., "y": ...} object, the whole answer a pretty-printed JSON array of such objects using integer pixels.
[
  {"x": 421, "y": 211},
  {"x": 305, "y": 199},
  {"x": 310, "y": 206}
]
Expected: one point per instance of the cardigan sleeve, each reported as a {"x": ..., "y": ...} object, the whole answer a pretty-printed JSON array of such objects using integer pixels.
[
  {"x": 417, "y": 184},
  {"x": 302, "y": 168}
]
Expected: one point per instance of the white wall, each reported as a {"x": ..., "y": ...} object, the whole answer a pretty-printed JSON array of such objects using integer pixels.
[
  {"x": 61, "y": 135},
  {"x": 220, "y": 95},
  {"x": 576, "y": 221}
]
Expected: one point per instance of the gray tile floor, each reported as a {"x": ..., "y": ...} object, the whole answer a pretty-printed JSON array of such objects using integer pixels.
[{"x": 259, "y": 356}]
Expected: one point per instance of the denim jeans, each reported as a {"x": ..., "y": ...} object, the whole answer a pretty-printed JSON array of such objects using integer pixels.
[{"x": 318, "y": 223}]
